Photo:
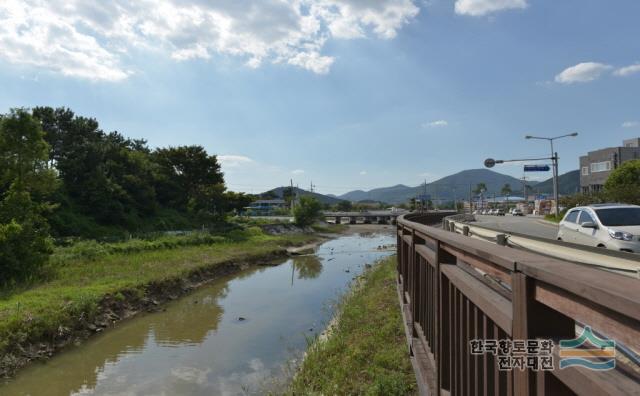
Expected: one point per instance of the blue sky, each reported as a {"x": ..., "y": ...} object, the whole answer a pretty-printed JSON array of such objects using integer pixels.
[{"x": 349, "y": 94}]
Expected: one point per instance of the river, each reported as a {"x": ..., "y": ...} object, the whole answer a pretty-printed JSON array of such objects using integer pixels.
[{"x": 240, "y": 334}]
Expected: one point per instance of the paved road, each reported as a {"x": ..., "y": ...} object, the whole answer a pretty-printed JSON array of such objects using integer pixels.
[{"x": 527, "y": 225}]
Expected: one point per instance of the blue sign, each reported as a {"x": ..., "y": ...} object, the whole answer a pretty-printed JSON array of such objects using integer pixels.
[
  {"x": 424, "y": 197},
  {"x": 536, "y": 168}
]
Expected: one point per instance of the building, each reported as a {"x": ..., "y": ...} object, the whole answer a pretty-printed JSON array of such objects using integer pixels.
[
  {"x": 265, "y": 207},
  {"x": 596, "y": 166}
]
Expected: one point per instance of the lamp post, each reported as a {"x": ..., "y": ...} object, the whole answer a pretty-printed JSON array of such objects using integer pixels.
[{"x": 554, "y": 161}]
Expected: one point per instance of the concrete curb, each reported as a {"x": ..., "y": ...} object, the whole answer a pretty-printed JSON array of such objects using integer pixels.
[{"x": 548, "y": 223}]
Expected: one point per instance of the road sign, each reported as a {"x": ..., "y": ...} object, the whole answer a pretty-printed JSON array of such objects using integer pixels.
[
  {"x": 489, "y": 162},
  {"x": 536, "y": 168}
]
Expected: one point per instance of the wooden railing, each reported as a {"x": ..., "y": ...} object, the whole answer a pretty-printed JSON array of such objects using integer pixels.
[{"x": 454, "y": 289}]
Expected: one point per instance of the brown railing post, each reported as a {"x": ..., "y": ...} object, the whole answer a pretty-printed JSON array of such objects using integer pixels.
[
  {"x": 521, "y": 300},
  {"x": 443, "y": 350},
  {"x": 547, "y": 324}
]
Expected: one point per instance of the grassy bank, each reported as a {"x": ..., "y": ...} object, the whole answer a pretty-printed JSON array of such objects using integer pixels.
[
  {"x": 553, "y": 218},
  {"x": 81, "y": 276},
  {"x": 366, "y": 352}
]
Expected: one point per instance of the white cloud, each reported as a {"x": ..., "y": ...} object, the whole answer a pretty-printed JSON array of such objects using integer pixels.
[
  {"x": 631, "y": 124},
  {"x": 435, "y": 124},
  {"x": 233, "y": 161},
  {"x": 362, "y": 173},
  {"x": 484, "y": 7},
  {"x": 94, "y": 40},
  {"x": 297, "y": 171},
  {"x": 582, "y": 72},
  {"x": 627, "y": 70}
]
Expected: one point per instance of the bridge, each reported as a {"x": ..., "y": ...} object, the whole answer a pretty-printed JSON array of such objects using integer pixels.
[
  {"x": 459, "y": 293},
  {"x": 368, "y": 217}
]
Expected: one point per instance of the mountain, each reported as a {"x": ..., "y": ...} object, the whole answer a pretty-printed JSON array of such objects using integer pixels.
[
  {"x": 325, "y": 199},
  {"x": 392, "y": 194},
  {"x": 568, "y": 183},
  {"x": 456, "y": 185}
]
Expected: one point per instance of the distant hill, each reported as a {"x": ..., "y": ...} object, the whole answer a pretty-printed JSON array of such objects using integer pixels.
[
  {"x": 325, "y": 199},
  {"x": 394, "y": 194},
  {"x": 443, "y": 189},
  {"x": 568, "y": 183}
]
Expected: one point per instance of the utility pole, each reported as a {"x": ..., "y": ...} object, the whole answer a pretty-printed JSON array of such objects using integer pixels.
[
  {"x": 470, "y": 201},
  {"x": 291, "y": 197},
  {"x": 455, "y": 207},
  {"x": 424, "y": 197},
  {"x": 435, "y": 194}
]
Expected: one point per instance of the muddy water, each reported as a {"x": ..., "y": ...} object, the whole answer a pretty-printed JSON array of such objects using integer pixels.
[{"x": 238, "y": 335}]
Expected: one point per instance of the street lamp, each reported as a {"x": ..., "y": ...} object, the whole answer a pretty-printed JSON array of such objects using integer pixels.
[{"x": 554, "y": 160}]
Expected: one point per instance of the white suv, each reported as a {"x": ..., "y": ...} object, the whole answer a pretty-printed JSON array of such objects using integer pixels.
[{"x": 611, "y": 226}]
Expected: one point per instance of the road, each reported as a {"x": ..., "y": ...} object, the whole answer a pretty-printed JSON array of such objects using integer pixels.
[{"x": 527, "y": 225}]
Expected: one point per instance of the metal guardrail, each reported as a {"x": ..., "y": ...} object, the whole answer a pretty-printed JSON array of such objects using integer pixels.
[
  {"x": 621, "y": 262},
  {"x": 454, "y": 289}
]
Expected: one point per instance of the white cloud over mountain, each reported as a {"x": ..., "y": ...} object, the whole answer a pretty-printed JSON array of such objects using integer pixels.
[
  {"x": 484, "y": 7},
  {"x": 94, "y": 40}
]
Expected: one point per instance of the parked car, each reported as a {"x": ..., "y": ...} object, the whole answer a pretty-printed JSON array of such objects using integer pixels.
[
  {"x": 517, "y": 212},
  {"x": 611, "y": 226},
  {"x": 499, "y": 212}
]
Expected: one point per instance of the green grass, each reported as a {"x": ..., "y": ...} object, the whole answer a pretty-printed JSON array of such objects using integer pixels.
[
  {"x": 553, "y": 218},
  {"x": 78, "y": 280},
  {"x": 330, "y": 228},
  {"x": 366, "y": 353}
]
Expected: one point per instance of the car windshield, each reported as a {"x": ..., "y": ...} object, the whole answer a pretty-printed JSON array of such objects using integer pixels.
[{"x": 619, "y": 216}]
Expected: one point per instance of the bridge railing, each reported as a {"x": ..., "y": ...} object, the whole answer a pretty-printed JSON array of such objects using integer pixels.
[{"x": 455, "y": 289}]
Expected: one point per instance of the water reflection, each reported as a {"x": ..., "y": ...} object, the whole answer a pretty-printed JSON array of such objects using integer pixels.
[
  {"x": 191, "y": 324},
  {"x": 307, "y": 267},
  {"x": 198, "y": 346}
]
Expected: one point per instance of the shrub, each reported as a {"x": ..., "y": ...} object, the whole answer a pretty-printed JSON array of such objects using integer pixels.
[
  {"x": 307, "y": 211},
  {"x": 92, "y": 250}
]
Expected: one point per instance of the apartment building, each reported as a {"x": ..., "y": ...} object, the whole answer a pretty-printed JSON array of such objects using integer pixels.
[{"x": 596, "y": 166}]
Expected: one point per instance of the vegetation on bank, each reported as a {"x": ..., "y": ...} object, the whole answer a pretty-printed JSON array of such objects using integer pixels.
[
  {"x": 81, "y": 275},
  {"x": 366, "y": 351}
]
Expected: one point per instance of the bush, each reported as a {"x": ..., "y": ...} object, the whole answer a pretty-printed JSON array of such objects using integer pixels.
[
  {"x": 92, "y": 250},
  {"x": 24, "y": 249},
  {"x": 307, "y": 211}
]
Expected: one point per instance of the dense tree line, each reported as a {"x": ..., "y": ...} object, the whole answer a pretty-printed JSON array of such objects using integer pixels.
[{"x": 61, "y": 174}]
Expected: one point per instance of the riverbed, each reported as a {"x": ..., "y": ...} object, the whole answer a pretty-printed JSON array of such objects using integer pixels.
[{"x": 239, "y": 334}]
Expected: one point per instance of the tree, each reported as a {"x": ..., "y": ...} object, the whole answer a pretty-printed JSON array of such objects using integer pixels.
[
  {"x": 480, "y": 188},
  {"x": 344, "y": 206},
  {"x": 105, "y": 176},
  {"x": 506, "y": 189},
  {"x": 184, "y": 173},
  {"x": 289, "y": 196},
  {"x": 25, "y": 244},
  {"x": 623, "y": 184},
  {"x": 237, "y": 201},
  {"x": 307, "y": 211}
]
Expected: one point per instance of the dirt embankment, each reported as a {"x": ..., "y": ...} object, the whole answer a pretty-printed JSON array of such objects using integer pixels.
[{"x": 122, "y": 305}]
